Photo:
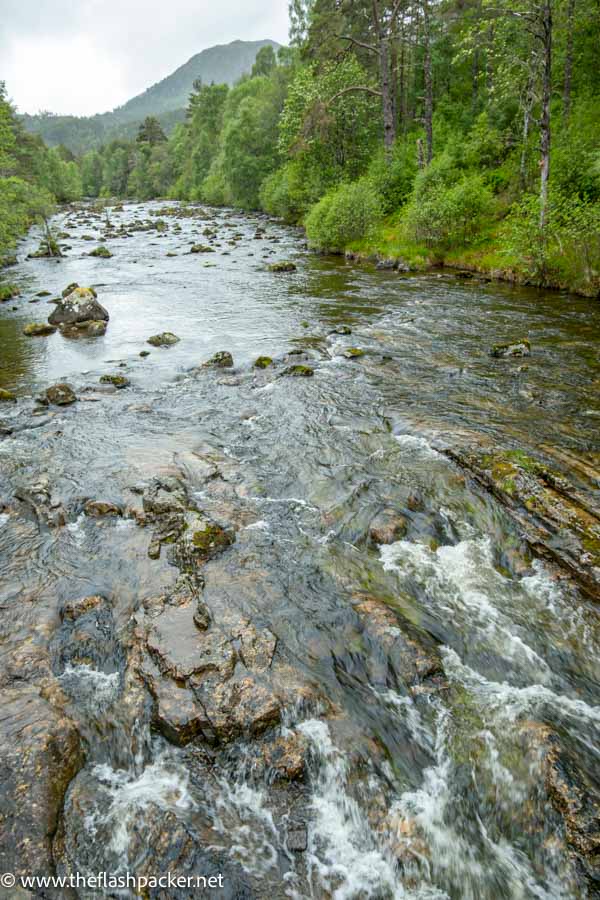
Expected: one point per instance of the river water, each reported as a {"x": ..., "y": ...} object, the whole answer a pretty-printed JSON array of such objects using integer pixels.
[{"x": 424, "y": 779}]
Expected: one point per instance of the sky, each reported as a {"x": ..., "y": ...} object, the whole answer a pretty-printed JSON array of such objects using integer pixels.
[{"x": 88, "y": 56}]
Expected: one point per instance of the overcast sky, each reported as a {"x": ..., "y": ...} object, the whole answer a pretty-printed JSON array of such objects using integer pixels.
[{"x": 88, "y": 56}]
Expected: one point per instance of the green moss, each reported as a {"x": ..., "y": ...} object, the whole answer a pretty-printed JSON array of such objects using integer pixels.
[
  {"x": 119, "y": 381},
  {"x": 102, "y": 252},
  {"x": 263, "y": 362},
  {"x": 8, "y": 291},
  {"x": 282, "y": 267},
  {"x": 299, "y": 371}
]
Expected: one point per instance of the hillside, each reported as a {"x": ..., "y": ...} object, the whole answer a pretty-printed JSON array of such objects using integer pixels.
[{"x": 166, "y": 99}]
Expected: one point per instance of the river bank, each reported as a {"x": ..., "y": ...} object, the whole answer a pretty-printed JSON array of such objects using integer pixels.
[{"x": 324, "y": 635}]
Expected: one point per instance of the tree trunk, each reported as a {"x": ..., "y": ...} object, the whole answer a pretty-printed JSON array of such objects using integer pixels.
[
  {"x": 389, "y": 122},
  {"x": 428, "y": 80},
  {"x": 526, "y": 128},
  {"x": 545, "y": 134},
  {"x": 568, "y": 62}
]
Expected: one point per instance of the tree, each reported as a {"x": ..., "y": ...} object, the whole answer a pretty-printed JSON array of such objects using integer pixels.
[{"x": 150, "y": 132}]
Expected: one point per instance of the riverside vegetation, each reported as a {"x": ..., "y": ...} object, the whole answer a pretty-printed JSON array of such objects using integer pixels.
[{"x": 419, "y": 133}]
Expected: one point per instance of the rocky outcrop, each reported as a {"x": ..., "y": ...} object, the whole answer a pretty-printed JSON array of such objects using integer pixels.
[
  {"x": 558, "y": 521},
  {"x": 220, "y": 360},
  {"x": 80, "y": 305}
]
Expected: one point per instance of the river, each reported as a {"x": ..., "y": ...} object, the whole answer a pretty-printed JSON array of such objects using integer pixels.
[{"x": 369, "y": 685}]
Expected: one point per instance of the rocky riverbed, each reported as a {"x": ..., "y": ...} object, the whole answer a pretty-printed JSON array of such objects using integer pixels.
[{"x": 299, "y": 577}]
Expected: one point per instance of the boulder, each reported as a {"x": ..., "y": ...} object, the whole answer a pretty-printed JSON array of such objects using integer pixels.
[
  {"x": 102, "y": 252},
  {"x": 97, "y": 509},
  {"x": 60, "y": 394},
  {"x": 38, "y": 329},
  {"x": 353, "y": 352},
  {"x": 263, "y": 362},
  {"x": 80, "y": 305},
  {"x": 165, "y": 339}
]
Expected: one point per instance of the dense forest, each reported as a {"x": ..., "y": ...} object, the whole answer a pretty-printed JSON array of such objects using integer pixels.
[{"x": 457, "y": 131}]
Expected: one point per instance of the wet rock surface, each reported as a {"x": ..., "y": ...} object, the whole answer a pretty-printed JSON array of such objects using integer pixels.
[{"x": 80, "y": 305}]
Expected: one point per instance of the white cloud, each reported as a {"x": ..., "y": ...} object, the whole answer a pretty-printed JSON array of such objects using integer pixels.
[{"x": 87, "y": 56}]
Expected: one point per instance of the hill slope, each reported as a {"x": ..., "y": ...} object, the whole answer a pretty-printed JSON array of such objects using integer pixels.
[{"x": 166, "y": 99}]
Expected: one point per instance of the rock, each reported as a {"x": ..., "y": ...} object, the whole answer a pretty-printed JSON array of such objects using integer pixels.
[
  {"x": 84, "y": 329},
  {"x": 341, "y": 329},
  {"x": 263, "y": 362},
  {"x": 299, "y": 371},
  {"x": 73, "y": 609},
  {"x": 144, "y": 353},
  {"x": 8, "y": 291},
  {"x": 558, "y": 522},
  {"x": 102, "y": 252},
  {"x": 119, "y": 381},
  {"x": 60, "y": 394},
  {"x": 166, "y": 339},
  {"x": 40, "y": 753},
  {"x": 201, "y": 248},
  {"x": 7, "y": 396},
  {"x": 80, "y": 305},
  {"x": 353, "y": 352},
  {"x": 296, "y": 837},
  {"x": 71, "y": 287},
  {"x": 38, "y": 329},
  {"x": 517, "y": 348},
  {"x": 282, "y": 266},
  {"x": 97, "y": 509},
  {"x": 221, "y": 360},
  {"x": 387, "y": 527}
]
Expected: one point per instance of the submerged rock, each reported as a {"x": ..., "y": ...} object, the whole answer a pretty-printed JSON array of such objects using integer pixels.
[
  {"x": 516, "y": 348},
  {"x": 282, "y": 266},
  {"x": 387, "y": 527},
  {"x": 263, "y": 362},
  {"x": 353, "y": 352},
  {"x": 165, "y": 339},
  {"x": 97, "y": 509},
  {"x": 60, "y": 394},
  {"x": 7, "y": 396},
  {"x": 80, "y": 305},
  {"x": 38, "y": 329}
]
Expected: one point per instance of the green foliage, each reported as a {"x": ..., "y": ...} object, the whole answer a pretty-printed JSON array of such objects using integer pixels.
[
  {"x": 567, "y": 251},
  {"x": 348, "y": 213},
  {"x": 443, "y": 215}
]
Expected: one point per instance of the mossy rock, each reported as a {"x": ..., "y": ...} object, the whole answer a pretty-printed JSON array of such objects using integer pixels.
[
  {"x": 220, "y": 360},
  {"x": 8, "y": 291},
  {"x": 299, "y": 371},
  {"x": 119, "y": 381},
  {"x": 515, "y": 348},
  {"x": 211, "y": 538},
  {"x": 171, "y": 254},
  {"x": 38, "y": 329},
  {"x": 71, "y": 287},
  {"x": 6, "y": 261},
  {"x": 165, "y": 339},
  {"x": 60, "y": 394},
  {"x": 201, "y": 248},
  {"x": 341, "y": 329},
  {"x": 353, "y": 352},
  {"x": 44, "y": 294},
  {"x": 144, "y": 353},
  {"x": 102, "y": 252},
  {"x": 263, "y": 362},
  {"x": 7, "y": 396},
  {"x": 282, "y": 266}
]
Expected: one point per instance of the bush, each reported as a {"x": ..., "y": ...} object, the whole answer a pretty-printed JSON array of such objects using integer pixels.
[
  {"x": 348, "y": 213},
  {"x": 290, "y": 191},
  {"x": 449, "y": 216},
  {"x": 393, "y": 179},
  {"x": 566, "y": 251}
]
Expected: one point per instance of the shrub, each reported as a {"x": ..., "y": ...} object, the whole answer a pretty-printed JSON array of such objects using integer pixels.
[
  {"x": 567, "y": 250},
  {"x": 449, "y": 216},
  {"x": 393, "y": 179},
  {"x": 348, "y": 213}
]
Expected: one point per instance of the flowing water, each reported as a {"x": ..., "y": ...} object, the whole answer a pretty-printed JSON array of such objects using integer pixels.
[{"x": 412, "y": 788}]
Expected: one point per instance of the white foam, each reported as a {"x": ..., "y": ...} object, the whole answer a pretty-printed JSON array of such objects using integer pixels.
[
  {"x": 417, "y": 444},
  {"x": 344, "y": 858},
  {"x": 261, "y": 525},
  {"x": 4, "y": 517},
  {"x": 102, "y": 687}
]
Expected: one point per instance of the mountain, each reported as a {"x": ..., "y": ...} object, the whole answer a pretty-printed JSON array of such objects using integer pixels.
[{"x": 167, "y": 99}]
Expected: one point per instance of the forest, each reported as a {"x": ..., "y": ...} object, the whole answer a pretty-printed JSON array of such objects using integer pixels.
[{"x": 456, "y": 132}]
